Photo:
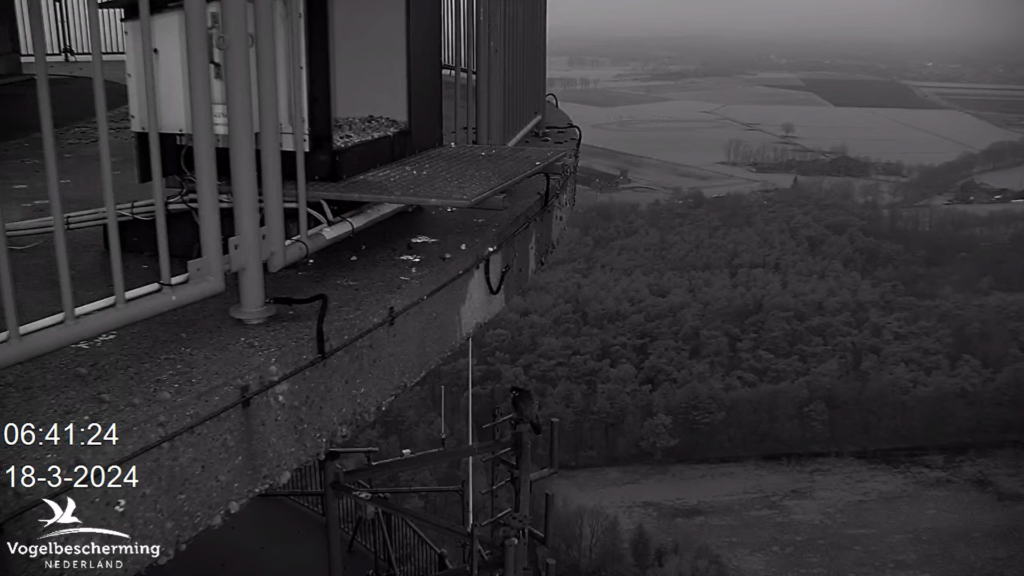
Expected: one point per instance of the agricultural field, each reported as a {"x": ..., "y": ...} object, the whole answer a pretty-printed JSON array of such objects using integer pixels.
[
  {"x": 911, "y": 136},
  {"x": 607, "y": 98},
  {"x": 865, "y": 93},
  {"x": 994, "y": 105},
  {"x": 688, "y": 124},
  {"x": 1012, "y": 178},
  {"x": 937, "y": 516},
  {"x": 990, "y": 98}
]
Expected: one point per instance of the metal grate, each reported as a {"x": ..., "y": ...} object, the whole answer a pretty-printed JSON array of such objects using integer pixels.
[{"x": 457, "y": 176}]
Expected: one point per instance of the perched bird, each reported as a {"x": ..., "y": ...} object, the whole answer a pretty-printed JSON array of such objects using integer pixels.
[{"x": 524, "y": 407}]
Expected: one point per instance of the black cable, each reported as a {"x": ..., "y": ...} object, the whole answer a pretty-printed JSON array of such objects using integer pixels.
[
  {"x": 552, "y": 95},
  {"x": 247, "y": 398},
  {"x": 321, "y": 343},
  {"x": 501, "y": 279}
]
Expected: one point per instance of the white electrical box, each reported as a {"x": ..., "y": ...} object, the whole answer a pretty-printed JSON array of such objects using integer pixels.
[{"x": 170, "y": 66}]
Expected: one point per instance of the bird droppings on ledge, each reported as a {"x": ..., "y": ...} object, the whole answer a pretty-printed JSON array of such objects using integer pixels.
[
  {"x": 420, "y": 239},
  {"x": 410, "y": 257},
  {"x": 354, "y": 130}
]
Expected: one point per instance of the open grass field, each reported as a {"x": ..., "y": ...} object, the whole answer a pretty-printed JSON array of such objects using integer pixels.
[
  {"x": 935, "y": 516},
  {"x": 688, "y": 123},
  {"x": 865, "y": 93},
  {"x": 912, "y": 136},
  {"x": 990, "y": 98},
  {"x": 607, "y": 98},
  {"x": 997, "y": 105},
  {"x": 1012, "y": 178},
  {"x": 752, "y": 95}
]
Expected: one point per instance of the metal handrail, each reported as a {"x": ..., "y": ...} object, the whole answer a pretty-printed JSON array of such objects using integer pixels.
[{"x": 411, "y": 552}]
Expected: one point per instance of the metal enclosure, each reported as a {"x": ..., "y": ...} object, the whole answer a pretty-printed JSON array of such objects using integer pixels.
[
  {"x": 170, "y": 68},
  {"x": 361, "y": 58}
]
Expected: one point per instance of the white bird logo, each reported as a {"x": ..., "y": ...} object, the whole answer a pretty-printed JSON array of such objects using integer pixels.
[{"x": 65, "y": 516}]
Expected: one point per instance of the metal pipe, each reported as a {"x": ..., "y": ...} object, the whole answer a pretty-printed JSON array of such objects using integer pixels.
[
  {"x": 297, "y": 249},
  {"x": 252, "y": 307},
  {"x": 7, "y": 295},
  {"x": 549, "y": 519},
  {"x": 297, "y": 117},
  {"x": 510, "y": 556},
  {"x": 60, "y": 244},
  {"x": 470, "y": 496},
  {"x": 99, "y": 94},
  {"x": 457, "y": 31},
  {"x": 153, "y": 132},
  {"x": 332, "y": 475},
  {"x": 270, "y": 132},
  {"x": 526, "y": 130},
  {"x": 553, "y": 449},
  {"x": 411, "y": 489},
  {"x": 204, "y": 144},
  {"x": 91, "y": 326},
  {"x": 523, "y": 486}
]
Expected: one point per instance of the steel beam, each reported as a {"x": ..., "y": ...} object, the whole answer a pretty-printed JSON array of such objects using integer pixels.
[{"x": 421, "y": 460}]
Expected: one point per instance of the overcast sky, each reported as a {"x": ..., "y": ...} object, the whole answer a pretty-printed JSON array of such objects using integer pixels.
[{"x": 919, "y": 19}]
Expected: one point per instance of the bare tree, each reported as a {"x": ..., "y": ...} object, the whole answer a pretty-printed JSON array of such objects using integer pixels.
[{"x": 788, "y": 128}]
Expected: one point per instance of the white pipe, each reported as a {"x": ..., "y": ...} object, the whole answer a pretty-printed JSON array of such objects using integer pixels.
[
  {"x": 357, "y": 220},
  {"x": 91, "y": 307},
  {"x": 138, "y": 214}
]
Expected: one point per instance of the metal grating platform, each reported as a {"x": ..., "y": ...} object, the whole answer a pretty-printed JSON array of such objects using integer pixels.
[{"x": 457, "y": 176}]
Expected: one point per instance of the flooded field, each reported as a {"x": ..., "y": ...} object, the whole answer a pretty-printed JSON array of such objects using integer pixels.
[
  {"x": 937, "y": 516},
  {"x": 688, "y": 122}
]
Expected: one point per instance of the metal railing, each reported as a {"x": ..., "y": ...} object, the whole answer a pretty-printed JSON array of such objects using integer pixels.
[
  {"x": 392, "y": 540},
  {"x": 66, "y": 29},
  {"x": 205, "y": 275},
  {"x": 497, "y": 53},
  {"x": 503, "y": 40}
]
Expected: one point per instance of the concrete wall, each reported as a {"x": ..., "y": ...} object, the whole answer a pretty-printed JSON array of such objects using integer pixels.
[
  {"x": 10, "y": 49},
  {"x": 368, "y": 50}
]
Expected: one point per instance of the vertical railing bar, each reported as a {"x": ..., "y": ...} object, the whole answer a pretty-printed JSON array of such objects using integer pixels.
[
  {"x": 298, "y": 119},
  {"x": 106, "y": 174},
  {"x": 470, "y": 44},
  {"x": 204, "y": 147},
  {"x": 515, "y": 62},
  {"x": 270, "y": 131},
  {"x": 53, "y": 28},
  {"x": 495, "y": 55},
  {"x": 155, "y": 160},
  {"x": 507, "y": 60},
  {"x": 522, "y": 87},
  {"x": 482, "y": 72},
  {"x": 84, "y": 40},
  {"x": 7, "y": 296},
  {"x": 457, "y": 41},
  {"x": 505, "y": 51},
  {"x": 252, "y": 306},
  {"x": 60, "y": 243},
  {"x": 542, "y": 45}
]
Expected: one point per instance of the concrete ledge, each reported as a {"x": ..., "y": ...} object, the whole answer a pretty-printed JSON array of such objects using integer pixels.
[{"x": 388, "y": 323}]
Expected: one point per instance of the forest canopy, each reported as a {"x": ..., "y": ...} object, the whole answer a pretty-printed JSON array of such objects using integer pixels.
[{"x": 751, "y": 325}]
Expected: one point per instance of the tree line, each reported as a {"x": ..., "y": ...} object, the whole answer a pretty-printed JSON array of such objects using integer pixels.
[
  {"x": 572, "y": 83},
  {"x": 793, "y": 322},
  {"x": 931, "y": 180}
]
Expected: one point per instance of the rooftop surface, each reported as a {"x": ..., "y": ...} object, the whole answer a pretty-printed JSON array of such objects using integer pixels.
[{"x": 172, "y": 383}]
